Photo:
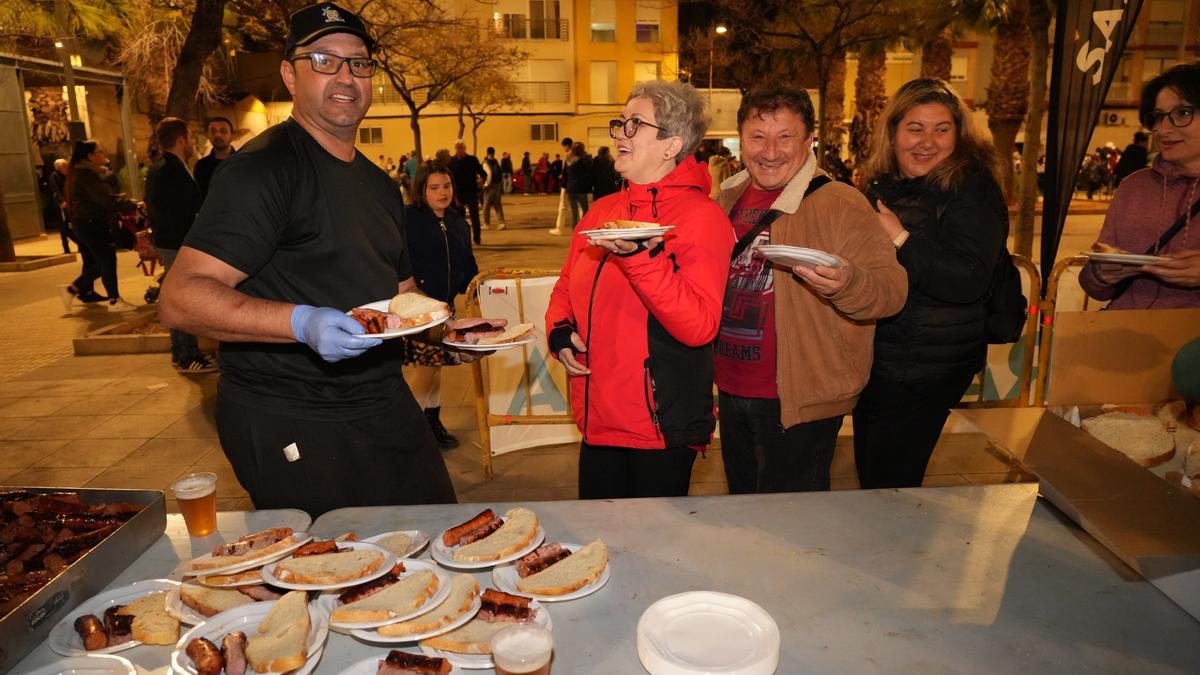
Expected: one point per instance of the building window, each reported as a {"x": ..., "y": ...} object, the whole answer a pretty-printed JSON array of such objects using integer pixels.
[
  {"x": 649, "y": 16},
  {"x": 604, "y": 81},
  {"x": 544, "y": 20},
  {"x": 645, "y": 71},
  {"x": 370, "y": 135},
  {"x": 958, "y": 68},
  {"x": 604, "y": 20},
  {"x": 543, "y": 132},
  {"x": 513, "y": 26}
]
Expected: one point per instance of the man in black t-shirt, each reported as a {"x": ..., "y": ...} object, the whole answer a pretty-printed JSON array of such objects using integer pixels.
[
  {"x": 468, "y": 176},
  {"x": 220, "y": 135},
  {"x": 298, "y": 228}
]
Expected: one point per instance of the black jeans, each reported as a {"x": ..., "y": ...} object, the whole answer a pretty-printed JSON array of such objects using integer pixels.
[
  {"x": 184, "y": 346},
  {"x": 607, "y": 472},
  {"x": 492, "y": 202},
  {"x": 578, "y": 202},
  {"x": 897, "y": 424},
  {"x": 761, "y": 456},
  {"x": 99, "y": 259},
  {"x": 387, "y": 458},
  {"x": 471, "y": 204}
]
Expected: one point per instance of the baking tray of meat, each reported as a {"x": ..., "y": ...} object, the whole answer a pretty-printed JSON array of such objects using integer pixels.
[{"x": 59, "y": 547}]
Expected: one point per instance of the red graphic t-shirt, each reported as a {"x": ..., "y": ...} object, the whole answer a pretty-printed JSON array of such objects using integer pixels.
[{"x": 745, "y": 347}]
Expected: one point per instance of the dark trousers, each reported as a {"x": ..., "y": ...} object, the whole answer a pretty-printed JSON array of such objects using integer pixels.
[
  {"x": 578, "y": 202},
  {"x": 492, "y": 201},
  {"x": 99, "y": 259},
  {"x": 65, "y": 233},
  {"x": 897, "y": 424},
  {"x": 471, "y": 204},
  {"x": 184, "y": 347},
  {"x": 761, "y": 456},
  {"x": 607, "y": 472},
  {"x": 388, "y": 458}
]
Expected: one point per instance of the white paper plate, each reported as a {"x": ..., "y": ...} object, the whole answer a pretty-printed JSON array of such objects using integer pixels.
[
  {"x": 505, "y": 578},
  {"x": 95, "y": 664},
  {"x": 65, "y": 641},
  {"x": 374, "y": 636},
  {"x": 479, "y": 661},
  {"x": 382, "y": 306},
  {"x": 246, "y": 619},
  {"x": 791, "y": 256},
  {"x": 419, "y": 541},
  {"x": 298, "y": 539},
  {"x": 389, "y": 561},
  {"x": 707, "y": 632},
  {"x": 491, "y": 348},
  {"x": 411, "y": 566},
  {"x": 370, "y": 666},
  {"x": 445, "y": 554},
  {"x": 177, "y": 609},
  {"x": 1124, "y": 258},
  {"x": 628, "y": 234},
  {"x": 252, "y": 581}
]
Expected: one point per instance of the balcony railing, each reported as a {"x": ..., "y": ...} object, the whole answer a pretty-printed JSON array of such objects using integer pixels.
[
  {"x": 519, "y": 28},
  {"x": 544, "y": 92}
]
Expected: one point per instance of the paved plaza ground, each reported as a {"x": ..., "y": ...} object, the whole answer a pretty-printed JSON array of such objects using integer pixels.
[{"x": 131, "y": 421}]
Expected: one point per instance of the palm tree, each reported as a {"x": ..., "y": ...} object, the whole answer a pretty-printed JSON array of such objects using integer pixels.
[
  {"x": 870, "y": 97},
  {"x": 937, "y": 52},
  {"x": 1039, "y": 31},
  {"x": 1008, "y": 91}
]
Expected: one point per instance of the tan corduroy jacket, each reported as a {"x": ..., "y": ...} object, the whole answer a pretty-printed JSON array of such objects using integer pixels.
[{"x": 825, "y": 343}]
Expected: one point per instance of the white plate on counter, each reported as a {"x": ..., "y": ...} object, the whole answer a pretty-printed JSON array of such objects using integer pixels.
[
  {"x": 389, "y": 561},
  {"x": 177, "y": 609},
  {"x": 445, "y": 554},
  {"x": 480, "y": 661},
  {"x": 628, "y": 234},
  {"x": 382, "y": 306},
  {"x": 1124, "y": 258},
  {"x": 706, "y": 631},
  {"x": 246, "y": 619},
  {"x": 370, "y": 666},
  {"x": 419, "y": 541},
  {"x": 411, "y": 566},
  {"x": 298, "y": 539},
  {"x": 374, "y": 635},
  {"x": 65, "y": 640},
  {"x": 94, "y": 664},
  {"x": 505, "y": 578}
]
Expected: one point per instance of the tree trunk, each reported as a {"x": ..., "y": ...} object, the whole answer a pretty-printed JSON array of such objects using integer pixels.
[
  {"x": 936, "y": 55},
  {"x": 1039, "y": 30},
  {"x": 414, "y": 122},
  {"x": 462, "y": 123},
  {"x": 833, "y": 113},
  {"x": 822, "y": 106},
  {"x": 203, "y": 37},
  {"x": 870, "y": 97},
  {"x": 7, "y": 252},
  {"x": 1008, "y": 92},
  {"x": 476, "y": 122}
]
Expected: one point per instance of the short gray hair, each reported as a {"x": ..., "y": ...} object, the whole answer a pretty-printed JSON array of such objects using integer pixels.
[{"x": 678, "y": 109}]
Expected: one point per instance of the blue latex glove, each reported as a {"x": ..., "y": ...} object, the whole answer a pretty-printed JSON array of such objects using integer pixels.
[{"x": 330, "y": 333}]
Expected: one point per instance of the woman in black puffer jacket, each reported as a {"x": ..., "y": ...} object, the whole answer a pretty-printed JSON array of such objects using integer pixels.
[{"x": 934, "y": 181}]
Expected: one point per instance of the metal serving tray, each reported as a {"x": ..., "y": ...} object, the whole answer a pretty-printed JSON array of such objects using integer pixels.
[{"x": 29, "y": 624}]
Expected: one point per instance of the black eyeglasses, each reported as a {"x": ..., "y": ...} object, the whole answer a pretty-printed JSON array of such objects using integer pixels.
[
  {"x": 330, "y": 64},
  {"x": 629, "y": 126},
  {"x": 1180, "y": 117}
]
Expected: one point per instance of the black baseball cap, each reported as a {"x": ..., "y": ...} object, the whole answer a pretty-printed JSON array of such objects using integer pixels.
[{"x": 321, "y": 19}]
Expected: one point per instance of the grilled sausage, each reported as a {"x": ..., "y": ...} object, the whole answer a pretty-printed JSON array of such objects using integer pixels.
[
  {"x": 454, "y": 535},
  {"x": 91, "y": 630},
  {"x": 206, "y": 656},
  {"x": 233, "y": 650}
]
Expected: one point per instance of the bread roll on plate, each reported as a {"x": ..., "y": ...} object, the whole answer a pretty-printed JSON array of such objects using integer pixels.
[
  {"x": 519, "y": 528},
  {"x": 569, "y": 574},
  {"x": 1142, "y": 438},
  {"x": 414, "y": 309}
]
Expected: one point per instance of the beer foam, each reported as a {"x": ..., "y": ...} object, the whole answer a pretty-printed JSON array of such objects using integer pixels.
[
  {"x": 194, "y": 487},
  {"x": 522, "y": 649}
]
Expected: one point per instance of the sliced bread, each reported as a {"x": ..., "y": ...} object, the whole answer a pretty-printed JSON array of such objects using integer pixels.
[
  {"x": 212, "y": 601},
  {"x": 520, "y": 526},
  {"x": 414, "y": 309},
  {"x": 463, "y": 591},
  {"x": 402, "y": 597},
  {"x": 510, "y": 334},
  {"x": 473, "y": 637},
  {"x": 281, "y": 641},
  {"x": 152, "y": 624},
  {"x": 329, "y": 568},
  {"x": 399, "y": 544},
  {"x": 1142, "y": 438},
  {"x": 214, "y": 562},
  {"x": 569, "y": 574},
  {"x": 235, "y": 578}
]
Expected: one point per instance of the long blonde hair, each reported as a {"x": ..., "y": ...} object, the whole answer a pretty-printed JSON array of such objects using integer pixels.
[{"x": 973, "y": 149}]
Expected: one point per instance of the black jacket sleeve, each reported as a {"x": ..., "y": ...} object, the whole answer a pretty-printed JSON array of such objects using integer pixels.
[{"x": 174, "y": 199}]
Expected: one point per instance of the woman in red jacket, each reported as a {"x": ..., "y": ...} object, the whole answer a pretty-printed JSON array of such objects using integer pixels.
[{"x": 633, "y": 321}]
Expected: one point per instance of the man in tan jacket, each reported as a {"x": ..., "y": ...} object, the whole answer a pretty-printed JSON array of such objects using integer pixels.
[{"x": 794, "y": 348}]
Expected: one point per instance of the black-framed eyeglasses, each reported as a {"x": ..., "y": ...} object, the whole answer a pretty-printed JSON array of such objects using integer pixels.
[
  {"x": 1180, "y": 117},
  {"x": 629, "y": 126},
  {"x": 330, "y": 64}
]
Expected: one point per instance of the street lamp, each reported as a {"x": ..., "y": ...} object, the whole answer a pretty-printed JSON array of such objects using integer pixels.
[{"x": 719, "y": 30}]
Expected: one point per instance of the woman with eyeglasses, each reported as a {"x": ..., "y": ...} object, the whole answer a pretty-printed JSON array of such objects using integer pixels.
[
  {"x": 1156, "y": 211},
  {"x": 632, "y": 320},
  {"x": 934, "y": 180}
]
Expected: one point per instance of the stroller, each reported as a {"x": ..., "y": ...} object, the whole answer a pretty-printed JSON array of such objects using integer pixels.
[{"x": 136, "y": 233}]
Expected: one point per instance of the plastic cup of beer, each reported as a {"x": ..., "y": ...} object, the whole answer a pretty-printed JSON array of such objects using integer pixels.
[
  {"x": 522, "y": 649},
  {"x": 197, "y": 497}
]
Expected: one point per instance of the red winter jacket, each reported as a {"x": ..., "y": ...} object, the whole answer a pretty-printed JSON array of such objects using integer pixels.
[{"x": 648, "y": 319}]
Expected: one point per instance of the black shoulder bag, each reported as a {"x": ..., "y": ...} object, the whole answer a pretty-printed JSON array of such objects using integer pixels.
[
  {"x": 770, "y": 217},
  {"x": 1176, "y": 227}
]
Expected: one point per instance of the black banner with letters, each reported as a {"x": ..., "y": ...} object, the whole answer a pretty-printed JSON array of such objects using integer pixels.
[{"x": 1089, "y": 37}]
